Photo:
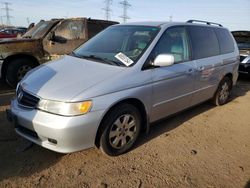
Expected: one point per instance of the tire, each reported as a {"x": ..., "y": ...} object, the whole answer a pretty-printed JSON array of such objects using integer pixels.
[
  {"x": 122, "y": 127},
  {"x": 17, "y": 69},
  {"x": 223, "y": 92}
]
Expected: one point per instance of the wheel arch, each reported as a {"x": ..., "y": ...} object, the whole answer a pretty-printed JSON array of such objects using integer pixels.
[
  {"x": 132, "y": 101},
  {"x": 8, "y": 59},
  {"x": 229, "y": 75}
]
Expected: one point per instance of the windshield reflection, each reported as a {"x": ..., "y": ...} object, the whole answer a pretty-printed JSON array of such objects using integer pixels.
[{"x": 130, "y": 41}]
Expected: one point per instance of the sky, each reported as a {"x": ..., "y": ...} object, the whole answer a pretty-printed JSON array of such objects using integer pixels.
[{"x": 233, "y": 14}]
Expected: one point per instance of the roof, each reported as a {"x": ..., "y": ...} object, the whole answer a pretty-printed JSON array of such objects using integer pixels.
[
  {"x": 153, "y": 24},
  {"x": 161, "y": 24}
]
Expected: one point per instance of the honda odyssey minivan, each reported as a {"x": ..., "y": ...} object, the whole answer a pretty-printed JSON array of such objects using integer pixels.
[{"x": 119, "y": 82}]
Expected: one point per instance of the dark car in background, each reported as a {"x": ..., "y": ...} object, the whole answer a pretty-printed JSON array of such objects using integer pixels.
[
  {"x": 243, "y": 40},
  {"x": 12, "y": 32},
  {"x": 47, "y": 40}
]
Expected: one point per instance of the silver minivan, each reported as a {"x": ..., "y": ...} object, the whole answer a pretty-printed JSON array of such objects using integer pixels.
[{"x": 114, "y": 86}]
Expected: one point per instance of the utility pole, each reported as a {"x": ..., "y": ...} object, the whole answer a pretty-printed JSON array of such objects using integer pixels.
[
  {"x": 7, "y": 12},
  {"x": 125, "y": 5},
  {"x": 107, "y": 9},
  {"x": 28, "y": 21},
  {"x": 170, "y": 18},
  {"x": 2, "y": 21}
]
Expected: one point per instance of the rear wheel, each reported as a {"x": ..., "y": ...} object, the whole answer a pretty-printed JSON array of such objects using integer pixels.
[
  {"x": 223, "y": 92},
  {"x": 122, "y": 126},
  {"x": 17, "y": 69}
]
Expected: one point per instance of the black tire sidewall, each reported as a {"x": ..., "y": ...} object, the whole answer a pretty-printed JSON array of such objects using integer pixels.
[
  {"x": 108, "y": 122},
  {"x": 13, "y": 67},
  {"x": 217, "y": 100}
]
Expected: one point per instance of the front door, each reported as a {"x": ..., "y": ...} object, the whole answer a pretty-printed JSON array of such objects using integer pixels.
[
  {"x": 172, "y": 85},
  {"x": 68, "y": 35}
]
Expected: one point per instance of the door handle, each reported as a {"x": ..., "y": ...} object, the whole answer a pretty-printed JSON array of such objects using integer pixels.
[
  {"x": 189, "y": 71},
  {"x": 200, "y": 69}
]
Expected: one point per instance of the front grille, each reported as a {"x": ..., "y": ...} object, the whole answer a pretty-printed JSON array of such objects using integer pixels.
[
  {"x": 26, "y": 99},
  {"x": 242, "y": 58},
  {"x": 27, "y": 131}
]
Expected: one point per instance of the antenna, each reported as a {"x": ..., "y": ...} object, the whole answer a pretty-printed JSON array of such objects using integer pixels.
[
  {"x": 7, "y": 14},
  {"x": 125, "y": 5},
  {"x": 107, "y": 9}
]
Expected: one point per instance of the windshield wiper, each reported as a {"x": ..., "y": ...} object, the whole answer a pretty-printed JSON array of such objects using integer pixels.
[
  {"x": 100, "y": 59},
  {"x": 75, "y": 55}
]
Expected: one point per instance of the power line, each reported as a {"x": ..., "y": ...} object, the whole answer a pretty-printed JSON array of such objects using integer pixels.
[
  {"x": 125, "y": 4},
  {"x": 7, "y": 12},
  {"x": 107, "y": 9}
]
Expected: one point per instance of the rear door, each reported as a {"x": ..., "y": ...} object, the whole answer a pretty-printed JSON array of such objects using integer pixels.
[
  {"x": 68, "y": 35},
  {"x": 172, "y": 85},
  {"x": 206, "y": 53}
]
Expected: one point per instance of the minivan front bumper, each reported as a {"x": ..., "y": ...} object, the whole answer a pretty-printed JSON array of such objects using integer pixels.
[{"x": 58, "y": 133}]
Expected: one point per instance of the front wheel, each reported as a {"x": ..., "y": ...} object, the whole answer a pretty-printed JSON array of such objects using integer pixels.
[
  {"x": 223, "y": 92},
  {"x": 122, "y": 128},
  {"x": 17, "y": 69}
]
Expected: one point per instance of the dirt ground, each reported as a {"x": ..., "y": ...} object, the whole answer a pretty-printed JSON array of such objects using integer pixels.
[{"x": 205, "y": 146}]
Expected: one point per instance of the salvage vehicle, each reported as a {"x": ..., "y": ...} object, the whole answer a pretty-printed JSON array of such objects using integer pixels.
[
  {"x": 12, "y": 32},
  {"x": 115, "y": 85},
  {"x": 45, "y": 41},
  {"x": 6, "y": 35},
  {"x": 243, "y": 40}
]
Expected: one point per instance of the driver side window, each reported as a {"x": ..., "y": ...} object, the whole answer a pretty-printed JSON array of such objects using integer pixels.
[
  {"x": 174, "y": 41},
  {"x": 71, "y": 30}
]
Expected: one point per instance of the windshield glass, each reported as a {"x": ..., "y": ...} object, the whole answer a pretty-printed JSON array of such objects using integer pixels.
[
  {"x": 121, "y": 45},
  {"x": 39, "y": 30}
]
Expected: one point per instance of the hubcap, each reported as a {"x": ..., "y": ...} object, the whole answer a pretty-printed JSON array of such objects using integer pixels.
[
  {"x": 22, "y": 71},
  {"x": 224, "y": 93},
  {"x": 122, "y": 131}
]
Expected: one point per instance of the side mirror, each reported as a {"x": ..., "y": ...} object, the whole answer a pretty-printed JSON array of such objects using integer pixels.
[
  {"x": 164, "y": 60},
  {"x": 55, "y": 38},
  {"x": 52, "y": 36}
]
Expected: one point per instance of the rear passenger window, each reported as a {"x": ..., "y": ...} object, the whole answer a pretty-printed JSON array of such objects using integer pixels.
[
  {"x": 225, "y": 41},
  {"x": 204, "y": 42},
  {"x": 174, "y": 41}
]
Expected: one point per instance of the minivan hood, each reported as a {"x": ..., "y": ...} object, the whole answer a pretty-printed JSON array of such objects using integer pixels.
[{"x": 67, "y": 77}]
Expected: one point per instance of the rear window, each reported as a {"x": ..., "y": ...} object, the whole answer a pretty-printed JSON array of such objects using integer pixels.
[
  {"x": 204, "y": 42},
  {"x": 225, "y": 40}
]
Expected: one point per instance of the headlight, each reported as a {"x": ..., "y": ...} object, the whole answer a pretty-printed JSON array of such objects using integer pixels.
[{"x": 64, "y": 108}]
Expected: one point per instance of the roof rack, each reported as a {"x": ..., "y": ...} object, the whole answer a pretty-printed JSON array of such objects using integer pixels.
[{"x": 200, "y": 21}]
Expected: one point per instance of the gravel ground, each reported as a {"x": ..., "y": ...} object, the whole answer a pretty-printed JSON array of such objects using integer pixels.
[{"x": 205, "y": 146}]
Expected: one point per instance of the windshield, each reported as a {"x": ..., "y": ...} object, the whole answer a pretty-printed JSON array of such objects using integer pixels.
[
  {"x": 118, "y": 45},
  {"x": 39, "y": 30}
]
